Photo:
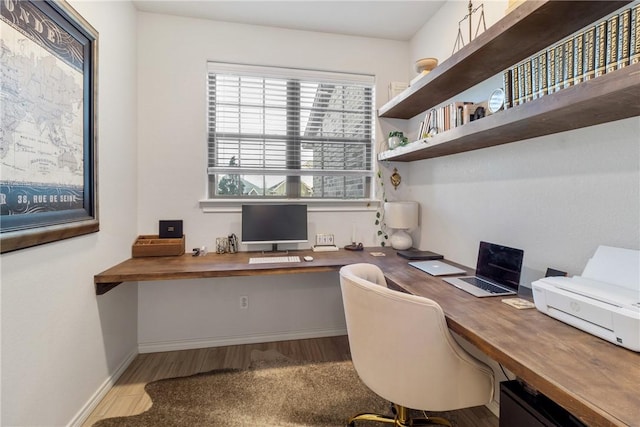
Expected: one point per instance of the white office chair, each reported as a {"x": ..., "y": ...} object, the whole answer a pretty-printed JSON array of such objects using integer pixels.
[{"x": 403, "y": 351}]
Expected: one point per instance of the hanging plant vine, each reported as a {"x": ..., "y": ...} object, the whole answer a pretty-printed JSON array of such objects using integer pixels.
[{"x": 382, "y": 227}]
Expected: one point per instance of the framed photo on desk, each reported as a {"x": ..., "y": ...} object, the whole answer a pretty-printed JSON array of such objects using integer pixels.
[{"x": 48, "y": 188}]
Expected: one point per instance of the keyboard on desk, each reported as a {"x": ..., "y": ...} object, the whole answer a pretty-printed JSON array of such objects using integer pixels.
[
  {"x": 483, "y": 284},
  {"x": 273, "y": 259}
]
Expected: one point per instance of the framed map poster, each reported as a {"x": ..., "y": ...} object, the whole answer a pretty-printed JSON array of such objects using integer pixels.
[{"x": 48, "y": 126}]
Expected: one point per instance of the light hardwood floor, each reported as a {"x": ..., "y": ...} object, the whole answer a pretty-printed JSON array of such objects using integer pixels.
[{"x": 127, "y": 397}]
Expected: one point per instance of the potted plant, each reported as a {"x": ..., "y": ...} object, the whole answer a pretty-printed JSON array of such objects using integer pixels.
[{"x": 396, "y": 139}]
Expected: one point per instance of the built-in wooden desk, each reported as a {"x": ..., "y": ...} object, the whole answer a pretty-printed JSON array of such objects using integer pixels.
[
  {"x": 595, "y": 380},
  {"x": 221, "y": 265}
]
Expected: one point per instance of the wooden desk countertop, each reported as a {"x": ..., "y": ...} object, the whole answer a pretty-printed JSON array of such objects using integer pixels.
[
  {"x": 593, "y": 379},
  {"x": 222, "y": 265}
]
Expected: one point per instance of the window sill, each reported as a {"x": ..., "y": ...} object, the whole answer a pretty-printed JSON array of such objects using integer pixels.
[{"x": 314, "y": 205}]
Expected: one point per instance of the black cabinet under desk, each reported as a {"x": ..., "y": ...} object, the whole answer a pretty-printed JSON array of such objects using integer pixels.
[{"x": 520, "y": 407}]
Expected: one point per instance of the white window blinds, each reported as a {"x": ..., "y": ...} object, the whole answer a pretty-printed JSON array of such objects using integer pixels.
[{"x": 285, "y": 133}]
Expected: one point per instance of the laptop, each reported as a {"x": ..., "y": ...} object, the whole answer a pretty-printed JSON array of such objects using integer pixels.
[
  {"x": 497, "y": 272},
  {"x": 437, "y": 268}
]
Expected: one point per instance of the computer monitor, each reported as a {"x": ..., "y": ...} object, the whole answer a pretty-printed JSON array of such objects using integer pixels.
[{"x": 274, "y": 223}]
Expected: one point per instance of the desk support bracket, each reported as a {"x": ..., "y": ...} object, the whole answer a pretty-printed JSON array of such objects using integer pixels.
[{"x": 103, "y": 288}]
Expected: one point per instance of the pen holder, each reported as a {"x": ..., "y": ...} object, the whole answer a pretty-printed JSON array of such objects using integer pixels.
[
  {"x": 233, "y": 244},
  {"x": 222, "y": 245}
]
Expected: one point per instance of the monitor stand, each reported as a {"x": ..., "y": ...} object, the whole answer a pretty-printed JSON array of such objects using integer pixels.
[{"x": 274, "y": 250}]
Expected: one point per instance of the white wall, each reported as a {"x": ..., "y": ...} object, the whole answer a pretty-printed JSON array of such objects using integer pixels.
[
  {"x": 61, "y": 342},
  {"x": 557, "y": 197},
  {"x": 173, "y": 55}
]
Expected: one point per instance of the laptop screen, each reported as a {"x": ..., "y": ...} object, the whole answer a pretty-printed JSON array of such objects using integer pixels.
[{"x": 500, "y": 264}]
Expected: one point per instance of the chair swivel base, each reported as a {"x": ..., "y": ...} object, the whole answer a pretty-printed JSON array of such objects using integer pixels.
[{"x": 401, "y": 419}]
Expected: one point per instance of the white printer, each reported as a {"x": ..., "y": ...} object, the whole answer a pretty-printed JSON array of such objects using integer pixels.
[{"x": 603, "y": 301}]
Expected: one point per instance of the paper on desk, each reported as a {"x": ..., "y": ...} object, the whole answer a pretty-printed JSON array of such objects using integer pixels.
[{"x": 518, "y": 303}]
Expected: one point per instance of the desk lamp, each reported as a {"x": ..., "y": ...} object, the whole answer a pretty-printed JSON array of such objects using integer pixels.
[{"x": 401, "y": 216}]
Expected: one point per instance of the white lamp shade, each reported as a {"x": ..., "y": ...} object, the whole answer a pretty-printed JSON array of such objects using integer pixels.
[{"x": 401, "y": 215}]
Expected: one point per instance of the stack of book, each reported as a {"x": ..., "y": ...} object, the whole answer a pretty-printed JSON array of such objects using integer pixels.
[
  {"x": 602, "y": 48},
  {"x": 446, "y": 117}
]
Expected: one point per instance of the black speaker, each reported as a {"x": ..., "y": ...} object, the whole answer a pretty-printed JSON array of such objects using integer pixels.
[{"x": 170, "y": 229}]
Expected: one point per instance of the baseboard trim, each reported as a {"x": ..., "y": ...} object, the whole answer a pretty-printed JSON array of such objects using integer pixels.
[
  {"x": 154, "y": 347},
  {"x": 101, "y": 392},
  {"x": 494, "y": 407}
]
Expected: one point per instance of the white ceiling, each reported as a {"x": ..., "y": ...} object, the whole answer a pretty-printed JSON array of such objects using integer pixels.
[{"x": 395, "y": 20}]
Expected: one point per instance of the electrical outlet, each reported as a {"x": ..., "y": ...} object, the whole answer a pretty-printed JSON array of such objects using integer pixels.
[
  {"x": 324, "y": 240},
  {"x": 244, "y": 302}
]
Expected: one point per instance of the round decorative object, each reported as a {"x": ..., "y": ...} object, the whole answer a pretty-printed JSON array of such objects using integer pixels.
[
  {"x": 496, "y": 101},
  {"x": 395, "y": 178},
  {"x": 425, "y": 65}
]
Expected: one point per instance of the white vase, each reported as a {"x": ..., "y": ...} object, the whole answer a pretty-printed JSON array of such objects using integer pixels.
[
  {"x": 401, "y": 240},
  {"x": 394, "y": 141}
]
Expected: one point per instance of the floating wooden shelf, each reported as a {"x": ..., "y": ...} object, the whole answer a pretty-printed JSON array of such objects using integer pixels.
[
  {"x": 528, "y": 29},
  {"x": 605, "y": 99}
]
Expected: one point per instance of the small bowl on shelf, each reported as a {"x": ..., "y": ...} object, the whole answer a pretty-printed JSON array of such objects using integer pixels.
[{"x": 424, "y": 65}]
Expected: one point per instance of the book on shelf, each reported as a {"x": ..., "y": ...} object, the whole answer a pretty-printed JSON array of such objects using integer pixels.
[
  {"x": 446, "y": 124},
  {"x": 431, "y": 122},
  {"x": 508, "y": 92},
  {"x": 421, "y": 132},
  {"x": 535, "y": 77},
  {"x": 600, "y": 45},
  {"x": 515, "y": 89},
  {"x": 578, "y": 58},
  {"x": 558, "y": 54},
  {"x": 448, "y": 117},
  {"x": 589, "y": 54},
  {"x": 551, "y": 70},
  {"x": 528, "y": 92},
  {"x": 634, "y": 36},
  {"x": 522, "y": 95},
  {"x": 624, "y": 35},
  {"x": 612, "y": 44},
  {"x": 567, "y": 67},
  {"x": 542, "y": 74}
]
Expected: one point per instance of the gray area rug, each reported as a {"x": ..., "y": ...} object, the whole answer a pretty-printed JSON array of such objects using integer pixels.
[{"x": 273, "y": 392}]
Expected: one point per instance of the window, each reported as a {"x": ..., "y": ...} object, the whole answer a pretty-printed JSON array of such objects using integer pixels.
[{"x": 287, "y": 133}]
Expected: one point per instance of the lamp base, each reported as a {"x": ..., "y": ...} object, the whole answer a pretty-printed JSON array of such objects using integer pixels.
[{"x": 400, "y": 240}]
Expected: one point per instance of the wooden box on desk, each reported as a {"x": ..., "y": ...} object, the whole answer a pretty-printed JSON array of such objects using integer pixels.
[{"x": 153, "y": 245}]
